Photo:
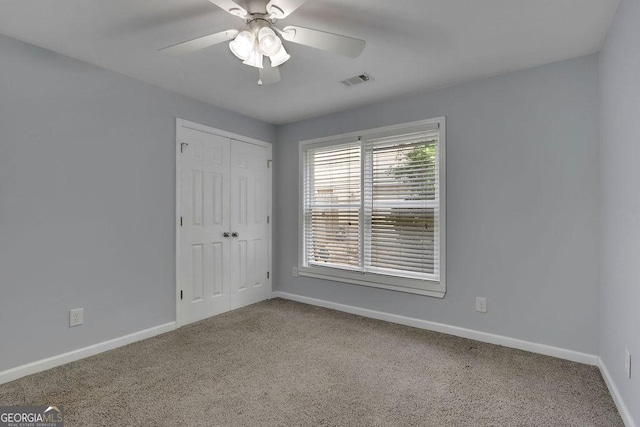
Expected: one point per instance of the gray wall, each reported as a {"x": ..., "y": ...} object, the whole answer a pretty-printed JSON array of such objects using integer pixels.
[
  {"x": 522, "y": 206},
  {"x": 87, "y": 179},
  {"x": 87, "y": 200},
  {"x": 620, "y": 201}
]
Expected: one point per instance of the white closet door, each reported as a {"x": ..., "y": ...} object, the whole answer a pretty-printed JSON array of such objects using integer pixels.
[
  {"x": 223, "y": 236},
  {"x": 204, "y": 250},
  {"x": 249, "y": 251}
]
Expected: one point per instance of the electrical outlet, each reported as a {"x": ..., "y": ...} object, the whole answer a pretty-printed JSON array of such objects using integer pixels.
[
  {"x": 627, "y": 362},
  {"x": 295, "y": 272},
  {"x": 481, "y": 305},
  {"x": 76, "y": 317}
]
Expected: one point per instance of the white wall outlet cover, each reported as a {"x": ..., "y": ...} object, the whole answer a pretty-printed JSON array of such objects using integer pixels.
[
  {"x": 76, "y": 317},
  {"x": 481, "y": 305},
  {"x": 295, "y": 272},
  {"x": 627, "y": 362}
]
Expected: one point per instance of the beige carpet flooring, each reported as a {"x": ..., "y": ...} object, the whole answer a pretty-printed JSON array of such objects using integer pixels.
[{"x": 281, "y": 363}]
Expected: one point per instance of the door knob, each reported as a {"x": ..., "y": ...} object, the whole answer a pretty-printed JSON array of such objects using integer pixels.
[
  {"x": 226, "y": 234},
  {"x": 235, "y": 234}
]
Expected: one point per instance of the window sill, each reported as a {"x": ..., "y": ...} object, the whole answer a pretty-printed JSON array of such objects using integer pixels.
[{"x": 399, "y": 284}]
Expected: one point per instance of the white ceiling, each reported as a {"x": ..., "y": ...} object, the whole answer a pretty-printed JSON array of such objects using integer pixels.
[{"x": 411, "y": 45}]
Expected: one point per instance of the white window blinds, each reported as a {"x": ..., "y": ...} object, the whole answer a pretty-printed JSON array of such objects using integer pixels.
[
  {"x": 333, "y": 206},
  {"x": 372, "y": 204},
  {"x": 401, "y": 205}
]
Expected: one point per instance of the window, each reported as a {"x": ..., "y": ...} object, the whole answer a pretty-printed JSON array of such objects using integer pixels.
[{"x": 373, "y": 208}]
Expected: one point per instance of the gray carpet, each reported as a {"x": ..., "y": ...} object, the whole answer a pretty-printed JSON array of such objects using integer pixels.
[{"x": 281, "y": 363}]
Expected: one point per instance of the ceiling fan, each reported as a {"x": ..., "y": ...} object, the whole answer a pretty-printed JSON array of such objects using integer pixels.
[{"x": 260, "y": 37}]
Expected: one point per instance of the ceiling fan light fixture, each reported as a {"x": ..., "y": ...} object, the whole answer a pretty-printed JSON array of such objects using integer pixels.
[
  {"x": 261, "y": 37},
  {"x": 268, "y": 41},
  {"x": 279, "y": 58},
  {"x": 243, "y": 45},
  {"x": 255, "y": 58}
]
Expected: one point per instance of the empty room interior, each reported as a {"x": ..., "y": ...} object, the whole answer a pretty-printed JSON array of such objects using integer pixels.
[{"x": 320, "y": 212}]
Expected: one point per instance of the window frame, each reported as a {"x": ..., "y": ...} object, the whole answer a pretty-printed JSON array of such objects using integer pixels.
[{"x": 415, "y": 286}]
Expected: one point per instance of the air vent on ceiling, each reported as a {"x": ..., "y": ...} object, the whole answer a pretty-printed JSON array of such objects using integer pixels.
[{"x": 356, "y": 80}]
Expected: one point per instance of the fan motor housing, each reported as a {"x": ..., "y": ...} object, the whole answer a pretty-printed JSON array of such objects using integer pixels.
[{"x": 256, "y": 6}]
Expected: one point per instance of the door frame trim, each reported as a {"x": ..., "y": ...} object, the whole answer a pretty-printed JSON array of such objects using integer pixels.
[{"x": 182, "y": 124}]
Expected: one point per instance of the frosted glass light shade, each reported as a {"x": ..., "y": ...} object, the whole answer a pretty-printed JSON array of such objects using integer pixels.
[
  {"x": 243, "y": 45},
  {"x": 255, "y": 58},
  {"x": 279, "y": 58},
  {"x": 268, "y": 41}
]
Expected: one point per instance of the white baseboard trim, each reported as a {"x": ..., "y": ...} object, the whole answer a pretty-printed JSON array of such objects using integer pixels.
[
  {"x": 547, "y": 350},
  {"x": 615, "y": 393},
  {"x": 51, "y": 362}
]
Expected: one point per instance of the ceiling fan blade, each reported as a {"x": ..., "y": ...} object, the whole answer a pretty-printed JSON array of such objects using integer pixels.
[
  {"x": 269, "y": 74},
  {"x": 231, "y": 7},
  {"x": 199, "y": 43},
  {"x": 330, "y": 42},
  {"x": 280, "y": 9}
]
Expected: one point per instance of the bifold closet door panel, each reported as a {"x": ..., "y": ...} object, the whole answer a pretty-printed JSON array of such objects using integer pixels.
[
  {"x": 249, "y": 251},
  {"x": 204, "y": 256}
]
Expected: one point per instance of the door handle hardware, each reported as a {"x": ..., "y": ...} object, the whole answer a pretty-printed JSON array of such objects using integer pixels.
[
  {"x": 235, "y": 234},
  {"x": 226, "y": 234}
]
